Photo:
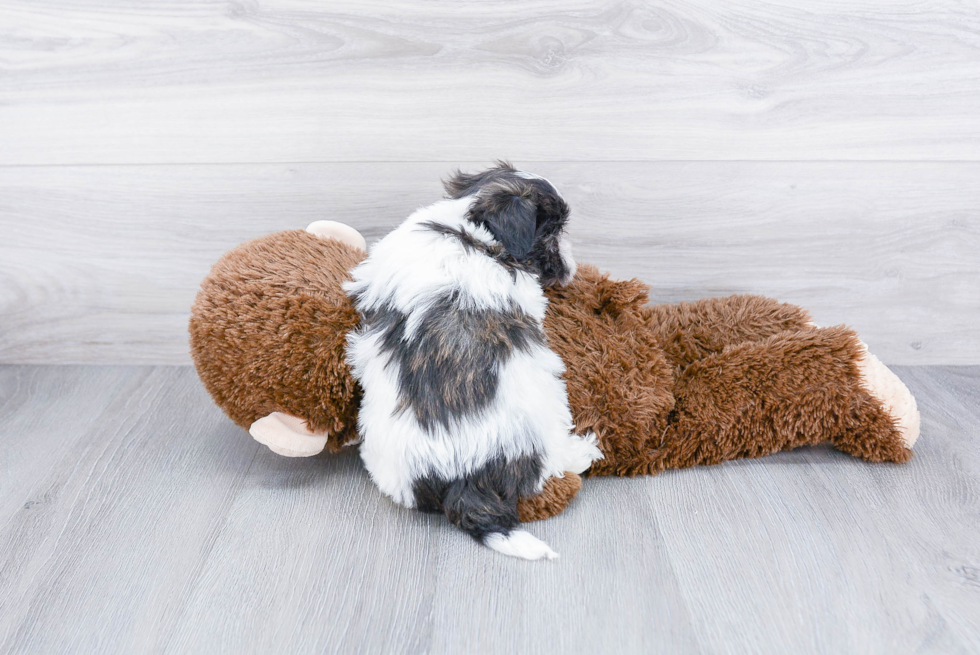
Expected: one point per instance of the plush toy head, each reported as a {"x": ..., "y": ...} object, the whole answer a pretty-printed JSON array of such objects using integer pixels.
[{"x": 268, "y": 331}]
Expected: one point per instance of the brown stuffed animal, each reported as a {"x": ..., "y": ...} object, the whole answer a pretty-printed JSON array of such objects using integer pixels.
[{"x": 662, "y": 386}]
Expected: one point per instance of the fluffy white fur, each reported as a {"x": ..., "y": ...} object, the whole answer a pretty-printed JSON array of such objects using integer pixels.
[
  {"x": 519, "y": 543},
  {"x": 407, "y": 270}
]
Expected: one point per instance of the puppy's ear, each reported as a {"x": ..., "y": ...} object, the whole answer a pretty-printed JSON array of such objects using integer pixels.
[
  {"x": 509, "y": 211},
  {"x": 461, "y": 184}
]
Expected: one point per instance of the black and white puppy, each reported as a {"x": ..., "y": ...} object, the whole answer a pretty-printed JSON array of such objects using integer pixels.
[{"x": 464, "y": 406}]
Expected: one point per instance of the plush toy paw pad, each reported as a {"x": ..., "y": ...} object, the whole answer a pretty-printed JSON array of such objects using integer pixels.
[
  {"x": 519, "y": 543},
  {"x": 287, "y": 435},
  {"x": 339, "y": 231},
  {"x": 884, "y": 385}
]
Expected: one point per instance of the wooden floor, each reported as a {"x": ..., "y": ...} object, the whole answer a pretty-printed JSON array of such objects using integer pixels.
[{"x": 134, "y": 517}]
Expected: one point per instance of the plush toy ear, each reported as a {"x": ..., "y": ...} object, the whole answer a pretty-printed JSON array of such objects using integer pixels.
[{"x": 510, "y": 213}]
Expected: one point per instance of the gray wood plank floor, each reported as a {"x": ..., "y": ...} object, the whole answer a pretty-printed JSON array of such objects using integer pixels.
[{"x": 135, "y": 518}]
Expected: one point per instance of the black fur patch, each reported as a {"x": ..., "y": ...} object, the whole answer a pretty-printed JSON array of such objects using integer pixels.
[
  {"x": 509, "y": 210},
  {"x": 484, "y": 502},
  {"x": 527, "y": 216},
  {"x": 450, "y": 366}
]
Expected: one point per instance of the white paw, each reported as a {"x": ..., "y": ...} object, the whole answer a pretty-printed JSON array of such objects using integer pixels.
[
  {"x": 339, "y": 231},
  {"x": 287, "y": 435},
  {"x": 580, "y": 452},
  {"x": 884, "y": 385},
  {"x": 520, "y": 544}
]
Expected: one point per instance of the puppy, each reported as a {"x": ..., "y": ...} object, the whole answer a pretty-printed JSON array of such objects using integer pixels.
[{"x": 464, "y": 406}]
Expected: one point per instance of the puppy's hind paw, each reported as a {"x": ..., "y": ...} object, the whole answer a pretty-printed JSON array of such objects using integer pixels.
[
  {"x": 518, "y": 543},
  {"x": 581, "y": 452}
]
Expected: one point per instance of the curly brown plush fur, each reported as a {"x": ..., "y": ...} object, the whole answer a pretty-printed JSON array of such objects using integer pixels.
[
  {"x": 552, "y": 500},
  {"x": 268, "y": 331},
  {"x": 673, "y": 386},
  {"x": 664, "y": 386},
  {"x": 619, "y": 382}
]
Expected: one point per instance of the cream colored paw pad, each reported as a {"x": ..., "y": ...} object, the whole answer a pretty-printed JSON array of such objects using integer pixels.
[{"x": 883, "y": 384}]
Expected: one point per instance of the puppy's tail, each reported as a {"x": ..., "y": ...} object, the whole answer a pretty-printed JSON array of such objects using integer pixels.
[
  {"x": 484, "y": 504},
  {"x": 518, "y": 543}
]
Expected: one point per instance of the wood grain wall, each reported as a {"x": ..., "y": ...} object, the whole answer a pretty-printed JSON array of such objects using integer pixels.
[{"x": 826, "y": 153}]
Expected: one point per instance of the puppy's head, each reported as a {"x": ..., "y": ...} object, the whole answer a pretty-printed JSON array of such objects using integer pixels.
[{"x": 525, "y": 214}]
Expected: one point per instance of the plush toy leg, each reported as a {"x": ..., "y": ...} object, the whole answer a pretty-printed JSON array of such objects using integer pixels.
[
  {"x": 287, "y": 435},
  {"x": 792, "y": 389},
  {"x": 689, "y": 331},
  {"x": 879, "y": 381},
  {"x": 339, "y": 231}
]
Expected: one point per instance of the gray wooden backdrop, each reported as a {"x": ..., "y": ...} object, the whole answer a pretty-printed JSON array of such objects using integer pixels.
[{"x": 826, "y": 153}]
